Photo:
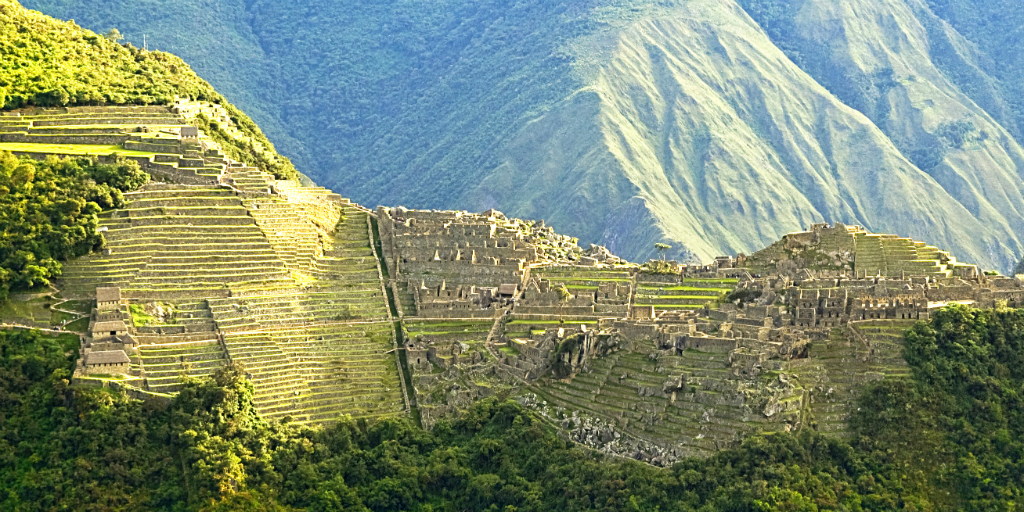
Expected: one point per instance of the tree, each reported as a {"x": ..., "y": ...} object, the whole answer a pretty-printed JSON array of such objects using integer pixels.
[
  {"x": 48, "y": 213},
  {"x": 114, "y": 35},
  {"x": 662, "y": 249}
]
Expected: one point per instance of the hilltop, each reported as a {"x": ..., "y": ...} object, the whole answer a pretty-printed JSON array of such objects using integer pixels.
[
  {"x": 223, "y": 335},
  {"x": 52, "y": 63},
  {"x": 714, "y": 127}
]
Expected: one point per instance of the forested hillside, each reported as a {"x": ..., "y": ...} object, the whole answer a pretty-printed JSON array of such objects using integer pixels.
[
  {"x": 712, "y": 126},
  {"x": 49, "y": 63},
  {"x": 947, "y": 439},
  {"x": 48, "y": 213}
]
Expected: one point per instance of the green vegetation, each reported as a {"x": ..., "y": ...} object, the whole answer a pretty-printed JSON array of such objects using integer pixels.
[
  {"x": 34, "y": 312},
  {"x": 958, "y": 423},
  {"x": 948, "y": 438},
  {"x": 49, "y": 63},
  {"x": 71, "y": 149},
  {"x": 48, "y": 213},
  {"x": 370, "y": 81},
  {"x": 139, "y": 316}
]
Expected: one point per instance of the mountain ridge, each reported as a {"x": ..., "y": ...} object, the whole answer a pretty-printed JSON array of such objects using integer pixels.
[{"x": 430, "y": 107}]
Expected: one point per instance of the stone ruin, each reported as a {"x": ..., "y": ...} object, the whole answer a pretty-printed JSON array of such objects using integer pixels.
[
  {"x": 109, "y": 345},
  {"x": 664, "y": 360}
]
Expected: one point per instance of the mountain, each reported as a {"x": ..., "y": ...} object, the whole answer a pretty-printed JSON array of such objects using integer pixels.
[
  {"x": 713, "y": 126},
  {"x": 244, "y": 340}
]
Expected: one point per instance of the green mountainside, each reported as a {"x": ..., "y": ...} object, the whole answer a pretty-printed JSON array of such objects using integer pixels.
[
  {"x": 222, "y": 335},
  {"x": 75, "y": 67},
  {"x": 713, "y": 126}
]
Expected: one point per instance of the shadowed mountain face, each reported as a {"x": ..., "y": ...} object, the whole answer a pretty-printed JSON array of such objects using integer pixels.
[{"x": 714, "y": 126}]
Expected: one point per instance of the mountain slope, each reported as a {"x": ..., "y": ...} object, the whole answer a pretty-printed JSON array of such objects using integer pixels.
[
  {"x": 727, "y": 145},
  {"x": 49, "y": 63},
  {"x": 927, "y": 87},
  {"x": 629, "y": 122}
]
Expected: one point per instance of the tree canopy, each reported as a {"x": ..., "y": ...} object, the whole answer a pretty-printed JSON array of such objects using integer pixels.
[
  {"x": 48, "y": 213},
  {"x": 946, "y": 439}
]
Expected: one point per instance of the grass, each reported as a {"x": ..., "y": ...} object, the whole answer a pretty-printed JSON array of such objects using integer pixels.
[
  {"x": 725, "y": 280},
  {"x": 421, "y": 325},
  {"x": 686, "y": 289},
  {"x": 511, "y": 351},
  {"x": 32, "y": 312},
  {"x": 671, "y": 306},
  {"x": 139, "y": 316},
  {"x": 551, "y": 322},
  {"x": 71, "y": 149},
  {"x": 80, "y": 325},
  {"x": 79, "y": 306},
  {"x": 567, "y": 280}
]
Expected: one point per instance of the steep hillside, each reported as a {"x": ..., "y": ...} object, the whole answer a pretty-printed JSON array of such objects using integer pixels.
[
  {"x": 713, "y": 126},
  {"x": 49, "y": 63},
  {"x": 724, "y": 141}
]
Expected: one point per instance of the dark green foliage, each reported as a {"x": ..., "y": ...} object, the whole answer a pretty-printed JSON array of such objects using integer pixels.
[
  {"x": 947, "y": 439},
  {"x": 960, "y": 422},
  {"x": 958, "y": 133},
  {"x": 970, "y": 366},
  {"x": 743, "y": 295},
  {"x": 50, "y": 63},
  {"x": 48, "y": 213}
]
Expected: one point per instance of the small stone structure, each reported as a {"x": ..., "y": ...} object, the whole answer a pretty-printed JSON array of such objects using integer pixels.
[
  {"x": 108, "y": 298},
  {"x": 110, "y": 362}
]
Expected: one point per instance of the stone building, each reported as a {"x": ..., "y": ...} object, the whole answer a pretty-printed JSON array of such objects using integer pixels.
[
  {"x": 110, "y": 362},
  {"x": 108, "y": 298}
]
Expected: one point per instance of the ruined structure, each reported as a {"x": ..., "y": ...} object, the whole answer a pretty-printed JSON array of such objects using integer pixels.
[
  {"x": 216, "y": 262},
  {"x": 663, "y": 360}
]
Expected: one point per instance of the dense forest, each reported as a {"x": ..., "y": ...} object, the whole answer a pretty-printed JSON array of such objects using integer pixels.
[
  {"x": 949, "y": 438},
  {"x": 48, "y": 213}
]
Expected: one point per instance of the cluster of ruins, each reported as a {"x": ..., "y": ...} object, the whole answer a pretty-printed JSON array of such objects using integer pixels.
[
  {"x": 538, "y": 319},
  {"x": 106, "y": 347},
  {"x": 654, "y": 361}
]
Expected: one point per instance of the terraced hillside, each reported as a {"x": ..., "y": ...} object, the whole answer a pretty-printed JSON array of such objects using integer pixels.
[
  {"x": 309, "y": 321},
  {"x": 852, "y": 248},
  {"x": 688, "y": 294},
  {"x": 625, "y": 390},
  {"x": 219, "y": 262},
  {"x": 837, "y": 369}
]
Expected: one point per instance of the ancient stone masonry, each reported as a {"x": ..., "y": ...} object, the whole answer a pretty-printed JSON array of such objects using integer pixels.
[
  {"x": 663, "y": 360},
  {"x": 109, "y": 349},
  {"x": 215, "y": 262}
]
